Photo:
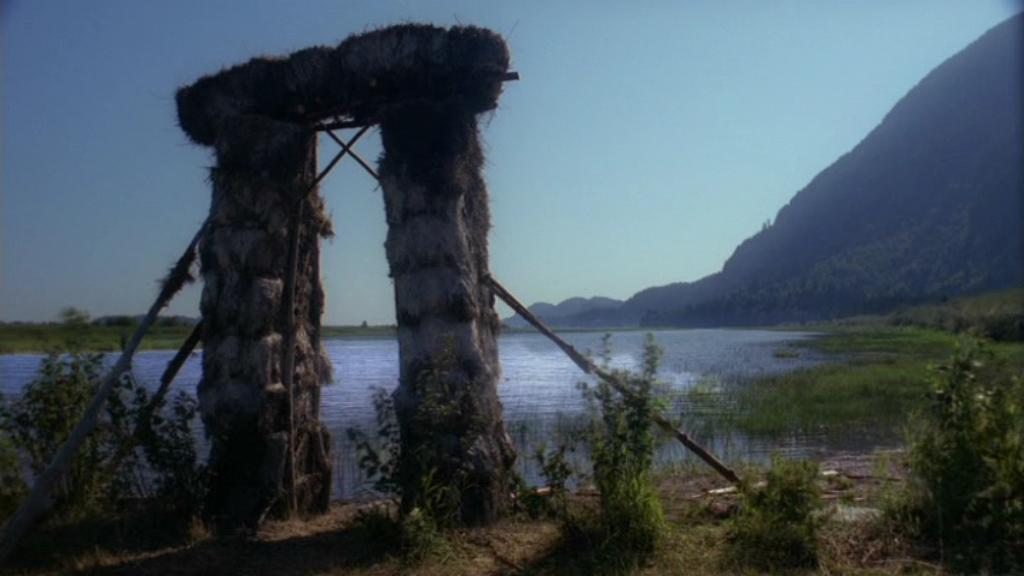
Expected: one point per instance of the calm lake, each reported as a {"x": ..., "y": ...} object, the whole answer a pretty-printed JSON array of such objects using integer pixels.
[{"x": 538, "y": 389}]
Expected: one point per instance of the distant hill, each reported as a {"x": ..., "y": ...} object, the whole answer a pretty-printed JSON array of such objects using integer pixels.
[
  {"x": 564, "y": 313},
  {"x": 927, "y": 206}
]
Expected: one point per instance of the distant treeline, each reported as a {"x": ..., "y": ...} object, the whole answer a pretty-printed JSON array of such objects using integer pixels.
[
  {"x": 999, "y": 316},
  {"x": 107, "y": 334},
  {"x": 125, "y": 320}
]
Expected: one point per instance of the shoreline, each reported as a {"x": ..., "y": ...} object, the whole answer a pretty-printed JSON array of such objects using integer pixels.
[{"x": 39, "y": 340}]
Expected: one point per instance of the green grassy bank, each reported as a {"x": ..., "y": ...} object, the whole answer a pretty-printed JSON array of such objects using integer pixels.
[
  {"x": 41, "y": 338},
  {"x": 882, "y": 378}
]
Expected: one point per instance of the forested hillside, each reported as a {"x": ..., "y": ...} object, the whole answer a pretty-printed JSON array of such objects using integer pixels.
[{"x": 927, "y": 206}]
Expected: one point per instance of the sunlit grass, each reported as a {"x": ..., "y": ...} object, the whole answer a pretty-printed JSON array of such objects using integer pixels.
[
  {"x": 883, "y": 379},
  {"x": 832, "y": 398},
  {"x": 40, "y": 338}
]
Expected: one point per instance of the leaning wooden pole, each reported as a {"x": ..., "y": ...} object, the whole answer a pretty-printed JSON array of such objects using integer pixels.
[
  {"x": 173, "y": 367},
  {"x": 589, "y": 367},
  {"x": 39, "y": 499}
]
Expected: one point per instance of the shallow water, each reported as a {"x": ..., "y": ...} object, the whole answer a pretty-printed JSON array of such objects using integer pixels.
[{"x": 538, "y": 388}]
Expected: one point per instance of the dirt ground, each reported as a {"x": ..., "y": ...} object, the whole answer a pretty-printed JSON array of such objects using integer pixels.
[{"x": 697, "y": 504}]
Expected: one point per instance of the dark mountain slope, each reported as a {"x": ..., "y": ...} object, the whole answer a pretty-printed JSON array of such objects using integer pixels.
[{"x": 928, "y": 205}]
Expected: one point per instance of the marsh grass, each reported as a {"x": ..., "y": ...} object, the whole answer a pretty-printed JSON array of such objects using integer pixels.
[
  {"x": 878, "y": 342},
  {"x": 885, "y": 377},
  {"x": 832, "y": 400}
]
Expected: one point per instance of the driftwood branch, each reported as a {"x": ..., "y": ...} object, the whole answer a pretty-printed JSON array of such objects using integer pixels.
[
  {"x": 589, "y": 367},
  {"x": 39, "y": 500}
]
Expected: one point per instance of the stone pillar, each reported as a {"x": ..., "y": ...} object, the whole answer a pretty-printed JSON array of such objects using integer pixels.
[
  {"x": 438, "y": 219},
  {"x": 263, "y": 167}
]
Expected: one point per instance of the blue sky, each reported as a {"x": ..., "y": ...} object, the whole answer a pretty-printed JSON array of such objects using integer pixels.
[{"x": 643, "y": 143}]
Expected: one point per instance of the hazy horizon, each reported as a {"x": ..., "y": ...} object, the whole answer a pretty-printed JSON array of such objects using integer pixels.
[{"x": 640, "y": 147}]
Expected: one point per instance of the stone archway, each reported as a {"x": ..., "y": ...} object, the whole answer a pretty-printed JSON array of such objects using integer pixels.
[{"x": 424, "y": 86}]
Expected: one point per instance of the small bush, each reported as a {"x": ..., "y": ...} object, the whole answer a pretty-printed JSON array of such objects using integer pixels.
[
  {"x": 157, "y": 458},
  {"x": 629, "y": 521},
  {"x": 554, "y": 501},
  {"x": 122, "y": 459},
  {"x": 416, "y": 535},
  {"x": 422, "y": 537},
  {"x": 380, "y": 525},
  {"x": 419, "y": 533},
  {"x": 966, "y": 491},
  {"x": 378, "y": 458},
  {"x": 38, "y": 423},
  {"x": 12, "y": 485},
  {"x": 775, "y": 528}
]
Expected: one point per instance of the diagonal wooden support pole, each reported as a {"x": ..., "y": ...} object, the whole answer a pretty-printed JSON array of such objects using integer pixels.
[
  {"x": 348, "y": 148},
  {"x": 39, "y": 500},
  {"x": 589, "y": 367},
  {"x": 174, "y": 366},
  {"x": 143, "y": 422}
]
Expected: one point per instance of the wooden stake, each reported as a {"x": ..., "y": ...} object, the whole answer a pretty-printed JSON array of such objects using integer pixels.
[
  {"x": 145, "y": 416},
  {"x": 288, "y": 360},
  {"x": 589, "y": 367},
  {"x": 288, "y": 308}
]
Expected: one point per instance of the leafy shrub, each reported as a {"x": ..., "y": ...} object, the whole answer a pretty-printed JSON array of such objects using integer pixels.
[
  {"x": 38, "y": 423},
  {"x": 123, "y": 458},
  {"x": 157, "y": 451},
  {"x": 629, "y": 521},
  {"x": 434, "y": 474},
  {"x": 416, "y": 535},
  {"x": 12, "y": 485},
  {"x": 967, "y": 463},
  {"x": 378, "y": 459},
  {"x": 775, "y": 528},
  {"x": 553, "y": 500},
  {"x": 422, "y": 536},
  {"x": 419, "y": 533}
]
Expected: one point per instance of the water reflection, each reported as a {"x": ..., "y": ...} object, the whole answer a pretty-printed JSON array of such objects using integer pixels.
[{"x": 538, "y": 388}]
